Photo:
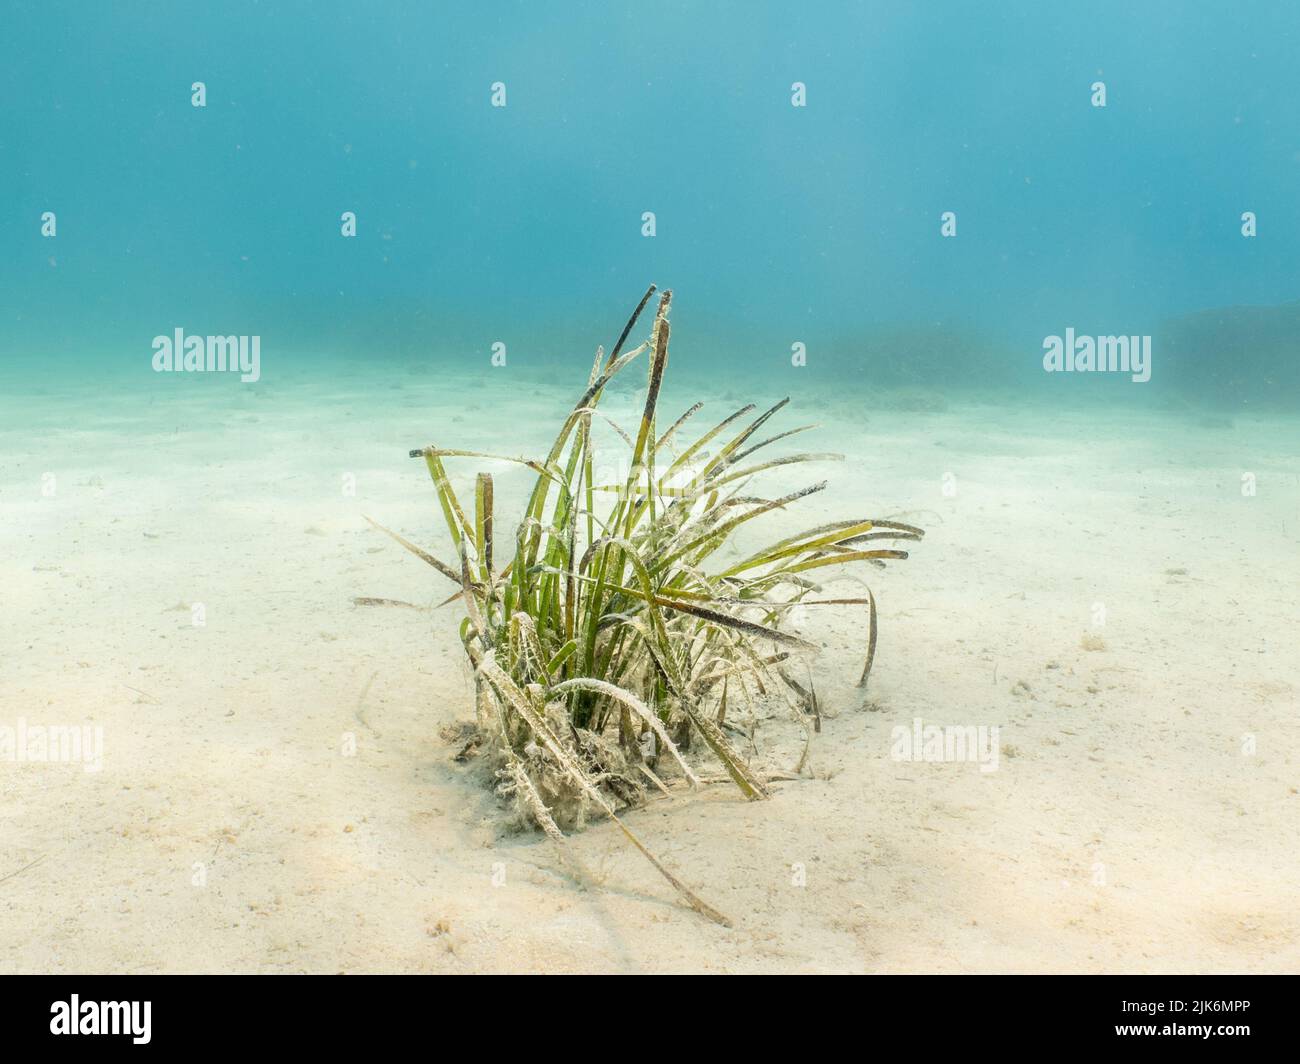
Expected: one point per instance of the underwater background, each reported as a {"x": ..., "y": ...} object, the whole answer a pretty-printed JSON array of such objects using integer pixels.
[
  {"x": 890, "y": 213},
  {"x": 776, "y": 224}
]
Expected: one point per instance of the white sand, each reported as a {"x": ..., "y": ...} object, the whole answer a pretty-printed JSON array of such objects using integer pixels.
[{"x": 1124, "y": 830}]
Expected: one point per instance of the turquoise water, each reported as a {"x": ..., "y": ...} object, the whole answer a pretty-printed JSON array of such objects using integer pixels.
[{"x": 775, "y": 224}]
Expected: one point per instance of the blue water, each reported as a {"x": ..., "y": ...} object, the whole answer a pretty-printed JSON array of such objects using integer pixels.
[{"x": 774, "y": 224}]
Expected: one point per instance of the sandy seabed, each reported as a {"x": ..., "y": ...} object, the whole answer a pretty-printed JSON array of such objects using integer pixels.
[{"x": 1143, "y": 817}]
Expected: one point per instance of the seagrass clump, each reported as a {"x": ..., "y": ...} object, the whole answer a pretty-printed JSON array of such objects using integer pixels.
[{"x": 613, "y": 637}]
